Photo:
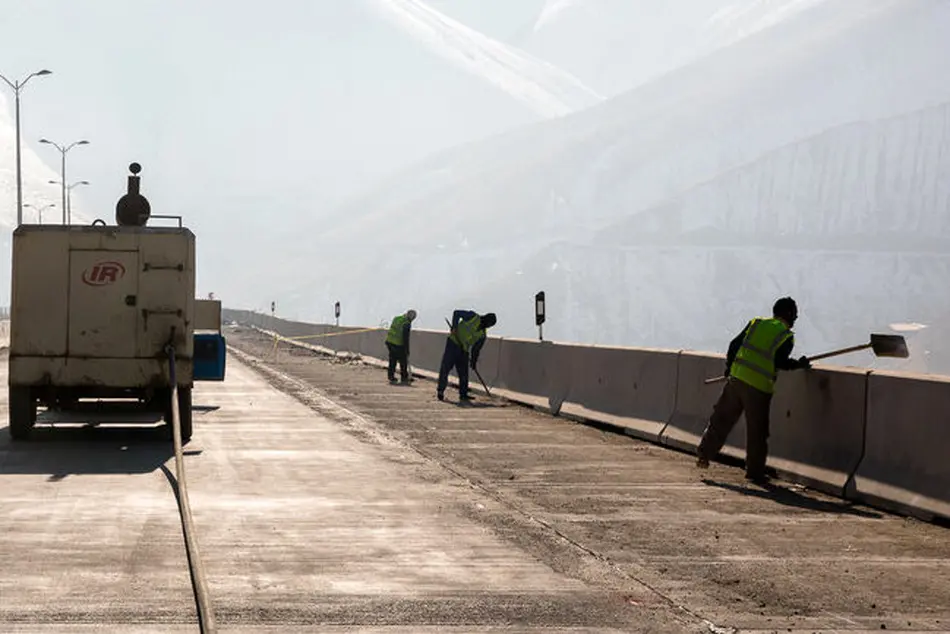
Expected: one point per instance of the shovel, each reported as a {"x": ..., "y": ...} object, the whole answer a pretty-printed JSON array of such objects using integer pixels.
[{"x": 881, "y": 345}]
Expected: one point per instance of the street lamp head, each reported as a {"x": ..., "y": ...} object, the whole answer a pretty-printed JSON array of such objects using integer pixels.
[
  {"x": 83, "y": 183},
  {"x": 43, "y": 72},
  {"x": 47, "y": 141},
  {"x": 83, "y": 142},
  {"x": 54, "y": 182}
]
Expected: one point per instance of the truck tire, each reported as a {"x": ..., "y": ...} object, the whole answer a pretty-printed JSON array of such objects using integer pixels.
[
  {"x": 184, "y": 413},
  {"x": 22, "y": 412}
]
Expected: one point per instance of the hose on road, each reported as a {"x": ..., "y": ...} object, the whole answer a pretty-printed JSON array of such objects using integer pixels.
[{"x": 198, "y": 582}]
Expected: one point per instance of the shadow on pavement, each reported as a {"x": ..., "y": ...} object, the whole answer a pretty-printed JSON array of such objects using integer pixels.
[
  {"x": 789, "y": 497},
  {"x": 82, "y": 443},
  {"x": 478, "y": 404}
]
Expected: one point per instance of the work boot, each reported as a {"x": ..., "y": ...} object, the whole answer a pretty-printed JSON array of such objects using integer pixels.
[
  {"x": 702, "y": 463},
  {"x": 405, "y": 380},
  {"x": 392, "y": 379},
  {"x": 440, "y": 396},
  {"x": 466, "y": 397},
  {"x": 761, "y": 479}
]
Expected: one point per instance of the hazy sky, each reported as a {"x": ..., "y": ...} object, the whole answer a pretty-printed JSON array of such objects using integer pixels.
[
  {"x": 242, "y": 113},
  {"x": 248, "y": 115},
  {"x": 311, "y": 97},
  {"x": 254, "y": 120}
]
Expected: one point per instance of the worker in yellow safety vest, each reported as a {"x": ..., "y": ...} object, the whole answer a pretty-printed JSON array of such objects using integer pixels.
[
  {"x": 397, "y": 340},
  {"x": 462, "y": 347},
  {"x": 752, "y": 363}
]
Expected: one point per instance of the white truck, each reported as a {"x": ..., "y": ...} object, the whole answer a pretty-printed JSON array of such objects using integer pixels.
[{"x": 97, "y": 312}]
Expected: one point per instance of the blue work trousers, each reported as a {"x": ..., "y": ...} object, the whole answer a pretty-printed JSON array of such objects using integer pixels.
[{"x": 453, "y": 357}]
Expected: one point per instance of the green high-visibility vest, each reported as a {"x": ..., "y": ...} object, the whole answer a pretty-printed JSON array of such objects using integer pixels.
[
  {"x": 755, "y": 362},
  {"x": 396, "y": 331},
  {"x": 468, "y": 332}
]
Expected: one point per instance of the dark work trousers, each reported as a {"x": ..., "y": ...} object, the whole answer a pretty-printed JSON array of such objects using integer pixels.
[
  {"x": 397, "y": 354},
  {"x": 738, "y": 397},
  {"x": 453, "y": 357}
]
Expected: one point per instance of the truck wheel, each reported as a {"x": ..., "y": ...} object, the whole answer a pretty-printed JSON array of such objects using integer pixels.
[
  {"x": 184, "y": 413},
  {"x": 22, "y": 412}
]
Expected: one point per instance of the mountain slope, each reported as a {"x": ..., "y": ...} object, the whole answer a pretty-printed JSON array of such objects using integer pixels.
[
  {"x": 852, "y": 222},
  {"x": 615, "y": 45},
  {"x": 544, "y": 88},
  {"x": 655, "y": 218},
  {"x": 823, "y": 69}
]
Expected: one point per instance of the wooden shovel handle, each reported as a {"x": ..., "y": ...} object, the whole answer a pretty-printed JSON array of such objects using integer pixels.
[
  {"x": 824, "y": 355},
  {"x": 835, "y": 353}
]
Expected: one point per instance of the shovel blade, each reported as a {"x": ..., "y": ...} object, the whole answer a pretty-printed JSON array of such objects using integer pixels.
[{"x": 889, "y": 346}]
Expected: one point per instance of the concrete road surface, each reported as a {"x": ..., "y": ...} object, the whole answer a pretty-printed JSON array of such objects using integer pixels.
[
  {"x": 308, "y": 519},
  {"x": 639, "y": 521}
]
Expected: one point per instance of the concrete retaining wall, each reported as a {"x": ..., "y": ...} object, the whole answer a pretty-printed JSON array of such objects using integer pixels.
[{"x": 875, "y": 436}]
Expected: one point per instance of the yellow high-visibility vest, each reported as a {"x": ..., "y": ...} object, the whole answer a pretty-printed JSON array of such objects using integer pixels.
[
  {"x": 755, "y": 362},
  {"x": 395, "y": 335},
  {"x": 468, "y": 332}
]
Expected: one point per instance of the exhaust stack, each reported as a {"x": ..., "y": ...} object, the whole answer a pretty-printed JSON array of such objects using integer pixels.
[{"x": 133, "y": 209}]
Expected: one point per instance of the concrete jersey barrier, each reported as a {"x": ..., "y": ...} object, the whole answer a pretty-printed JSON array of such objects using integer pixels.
[
  {"x": 634, "y": 389},
  {"x": 906, "y": 464},
  {"x": 881, "y": 437},
  {"x": 817, "y": 426},
  {"x": 532, "y": 372},
  {"x": 694, "y": 403},
  {"x": 425, "y": 348}
]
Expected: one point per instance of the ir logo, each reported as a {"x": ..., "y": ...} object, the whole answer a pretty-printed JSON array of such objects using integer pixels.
[{"x": 103, "y": 273}]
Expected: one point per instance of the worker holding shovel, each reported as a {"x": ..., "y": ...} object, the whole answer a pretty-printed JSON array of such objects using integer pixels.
[
  {"x": 752, "y": 363},
  {"x": 462, "y": 347}
]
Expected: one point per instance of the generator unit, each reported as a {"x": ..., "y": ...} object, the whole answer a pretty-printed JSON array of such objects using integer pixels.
[{"x": 98, "y": 312}]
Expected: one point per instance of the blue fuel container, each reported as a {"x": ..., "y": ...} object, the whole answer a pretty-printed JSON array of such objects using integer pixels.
[{"x": 209, "y": 358}]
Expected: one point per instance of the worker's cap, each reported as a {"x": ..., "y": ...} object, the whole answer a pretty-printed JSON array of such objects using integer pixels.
[
  {"x": 489, "y": 320},
  {"x": 410, "y": 314}
]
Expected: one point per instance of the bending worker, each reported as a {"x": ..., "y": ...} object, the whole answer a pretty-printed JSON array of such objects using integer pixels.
[
  {"x": 398, "y": 343},
  {"x": 752, "y": 364},
  {"x": 462, "y": 347}
]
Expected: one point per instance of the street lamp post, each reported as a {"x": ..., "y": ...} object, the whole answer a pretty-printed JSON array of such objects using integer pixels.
[
  {"x": 69, "y": 198},
  {"x": 17, "y": 86},
  {"x": 63, "y": 150},
  {"x": 39, "y": 210}
]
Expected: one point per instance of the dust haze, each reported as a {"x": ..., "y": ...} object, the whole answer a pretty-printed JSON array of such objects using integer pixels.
[{"x": 663, "y": 171}]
